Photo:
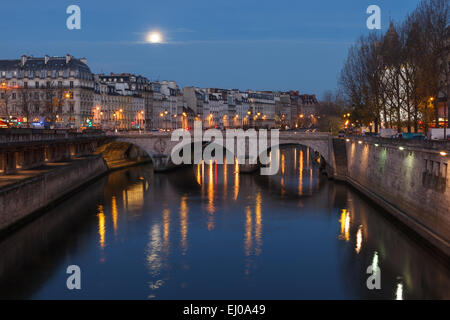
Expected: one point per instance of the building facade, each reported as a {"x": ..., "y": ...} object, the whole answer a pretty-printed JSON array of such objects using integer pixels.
[{"x": 57, "y": 91}]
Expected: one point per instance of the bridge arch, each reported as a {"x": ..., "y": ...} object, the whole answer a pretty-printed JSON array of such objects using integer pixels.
[
  {"x": 117, "y": 153},
  {"x": 158, "y": 147}
]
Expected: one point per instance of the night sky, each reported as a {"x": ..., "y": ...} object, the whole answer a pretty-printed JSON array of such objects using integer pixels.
[{"x": 245, "y": 44}]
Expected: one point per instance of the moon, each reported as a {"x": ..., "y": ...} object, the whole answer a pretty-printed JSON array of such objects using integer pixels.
[{"x": 154, "y": 37}]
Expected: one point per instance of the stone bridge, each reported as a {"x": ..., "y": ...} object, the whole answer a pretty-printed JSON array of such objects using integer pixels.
[
  {"x": 23, "y": 148},
  {"x": 27, "y": 148},
  {"x": 159, "y": 146}
]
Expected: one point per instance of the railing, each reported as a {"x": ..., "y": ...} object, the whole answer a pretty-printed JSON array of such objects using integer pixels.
[
  {"x": 284, "y": 135},
  {"x": 440, "y": 145},
  {"x": 23, "y": 135}
]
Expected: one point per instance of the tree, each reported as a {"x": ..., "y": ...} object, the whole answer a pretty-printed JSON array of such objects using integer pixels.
[
  {"x": 54, "y": 99},
  {"x": 396, "y": 79},
  {"x": 330, "y": 110},
  {"x": 24, "y": 96},
  {"x": 5, "y": 98}
]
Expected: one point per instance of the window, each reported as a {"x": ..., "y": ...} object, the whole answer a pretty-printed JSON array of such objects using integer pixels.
[
  {"x": 37, "y": 84},
  {"x": 71, "y": 84},
  {"x": 60, "y": 84},
  {"x": 25, "y": 84},
  {"x": 13, "y": 96}
]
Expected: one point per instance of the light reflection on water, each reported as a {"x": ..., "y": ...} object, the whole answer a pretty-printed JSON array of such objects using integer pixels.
[{"x": 211, "y": 232}]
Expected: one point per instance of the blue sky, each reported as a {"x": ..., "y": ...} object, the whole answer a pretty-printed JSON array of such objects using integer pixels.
[{"x": 245, "y": 44}]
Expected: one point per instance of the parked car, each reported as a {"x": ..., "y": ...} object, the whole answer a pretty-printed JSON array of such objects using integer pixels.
[
  {"x": 413, "y": 136},
  {"x": 388, "y": 133}
]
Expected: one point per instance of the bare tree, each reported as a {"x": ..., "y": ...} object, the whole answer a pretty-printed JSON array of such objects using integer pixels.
[
  {"x": 397, "y": 78},
  {"x": 54, "y": 98},
  {"x": 24, "y": 97},
  {"x": 5, "y": 98}
]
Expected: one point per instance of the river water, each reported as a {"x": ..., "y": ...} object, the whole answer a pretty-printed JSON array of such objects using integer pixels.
[{"x": 208, "y": 232}]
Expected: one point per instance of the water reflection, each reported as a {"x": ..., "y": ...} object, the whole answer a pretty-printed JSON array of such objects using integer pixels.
[
  {"x": 101, "y": 226},
  {"x": 184, "y": 209},
  {"x": 399, "y": 291},
  {"x": 358, "y": 239},
  {"x": 154, "y": 249},
  {"x": 345, "y": 225},
  {"x": 212, "y": 232},
  {"x": 114, "y": 213}
]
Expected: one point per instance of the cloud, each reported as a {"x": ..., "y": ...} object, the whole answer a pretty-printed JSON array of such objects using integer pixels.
[
  {"x": 261, "y": 41},
  {"x": 168, "y": 41}
]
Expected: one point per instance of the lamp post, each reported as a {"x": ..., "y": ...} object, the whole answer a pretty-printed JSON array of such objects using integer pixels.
[
  {"x": 141, "y": 119},
  {"x": 249, "y": 115}
]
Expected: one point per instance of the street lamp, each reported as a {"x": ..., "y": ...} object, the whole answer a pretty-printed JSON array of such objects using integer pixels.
[{"x": 115, "y": 121}]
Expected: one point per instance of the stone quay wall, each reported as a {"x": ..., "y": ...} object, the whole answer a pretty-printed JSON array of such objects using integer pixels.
[
  {"x": 19, "y": 200},
  {"x": 410, "y": 179}
]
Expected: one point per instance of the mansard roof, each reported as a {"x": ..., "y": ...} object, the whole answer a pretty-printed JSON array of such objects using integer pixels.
[{"x": 33, "y": 64}]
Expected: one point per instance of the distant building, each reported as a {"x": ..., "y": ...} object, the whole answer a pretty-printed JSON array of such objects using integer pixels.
[
  {"x": 262, "y": 107},
  {"x": 63, "y": 92},
  {"x": 57, "y": 91},
  {"x": 134, "y": 96}
]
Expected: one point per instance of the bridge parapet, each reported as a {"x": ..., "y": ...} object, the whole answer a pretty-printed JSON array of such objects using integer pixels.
[
  {"x": 407, "y": 144},
  {"x": 25, "y": 135},
  {"x": 22, "y": 148}
]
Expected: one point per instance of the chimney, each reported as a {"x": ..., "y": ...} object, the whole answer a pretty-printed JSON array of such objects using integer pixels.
[
  {"x": 84, "y": 60},
  {"x": 23, "y": 60},
  {"x": 46, "y": 58},
  {"x": 68, "y": 58}
]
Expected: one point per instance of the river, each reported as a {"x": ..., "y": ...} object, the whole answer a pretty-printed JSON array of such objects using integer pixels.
[{"x": 208, "y": 232}]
